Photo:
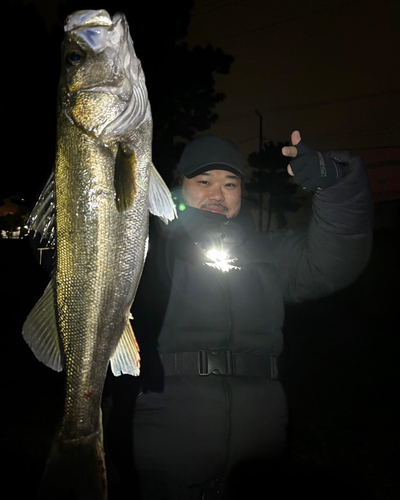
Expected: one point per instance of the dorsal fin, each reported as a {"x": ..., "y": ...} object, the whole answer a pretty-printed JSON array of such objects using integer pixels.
[{"x": 42, "y": 218}]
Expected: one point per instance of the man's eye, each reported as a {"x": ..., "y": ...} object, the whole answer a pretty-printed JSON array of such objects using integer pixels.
[
  {"x": 230, "y": 185},
  {"x": 203, "y": 182}
]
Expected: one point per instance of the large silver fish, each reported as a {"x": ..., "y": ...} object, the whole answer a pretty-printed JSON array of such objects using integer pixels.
[{"x": 96, "y": 205}]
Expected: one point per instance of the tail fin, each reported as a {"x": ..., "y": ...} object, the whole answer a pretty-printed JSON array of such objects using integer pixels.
[{"x": 75, "y": 470}]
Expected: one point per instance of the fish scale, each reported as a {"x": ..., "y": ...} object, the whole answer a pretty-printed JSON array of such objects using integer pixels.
[{"x": 103, "y": 188}]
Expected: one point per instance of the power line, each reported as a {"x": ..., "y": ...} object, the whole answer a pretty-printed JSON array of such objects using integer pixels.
[
  {"x": 247, "y": 140},
  {"x": 365, "y": 132},
  {"x": 336, "y": 101},
  {"x": 315, "y": 104},
  {"x": 285, "y": 21},
  {"x": 332, "y": 137}
]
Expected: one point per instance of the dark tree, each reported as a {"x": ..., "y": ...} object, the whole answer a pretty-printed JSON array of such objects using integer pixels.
[
  {"x": 28, "y": 107},
  {"x": 11, "y": 222},
  {"x": 179, "y": 79},
  {"x": 184, "y": 103},
  {"x": 270, "y": 177}
]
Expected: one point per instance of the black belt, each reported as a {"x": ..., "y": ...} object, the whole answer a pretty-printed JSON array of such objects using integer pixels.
[{"x": 221, "y": 362}]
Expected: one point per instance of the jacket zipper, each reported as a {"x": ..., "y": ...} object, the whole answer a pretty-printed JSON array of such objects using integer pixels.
[{"x": 225, "y": 381}]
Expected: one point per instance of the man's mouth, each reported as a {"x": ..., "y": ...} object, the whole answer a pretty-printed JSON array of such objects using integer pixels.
[{"x": 216, "y": 208}]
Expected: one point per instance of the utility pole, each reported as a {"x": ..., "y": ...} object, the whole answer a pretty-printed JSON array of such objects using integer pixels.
[{"x": 260, "y": 146}]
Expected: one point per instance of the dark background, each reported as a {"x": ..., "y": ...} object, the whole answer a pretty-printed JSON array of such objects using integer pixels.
[
  {"x": 340, "y": 372},
  {"x": 329, "y": 68},
  {"x": 340, "y": 368}
]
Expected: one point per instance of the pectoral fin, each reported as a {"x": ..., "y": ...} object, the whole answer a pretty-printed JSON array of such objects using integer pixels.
[
  {"x": 126, "y": 358},
  {"x": 160, "y": 199},
  {"x": 125, "y": 177},
  {"x": 40, "y": 330}
]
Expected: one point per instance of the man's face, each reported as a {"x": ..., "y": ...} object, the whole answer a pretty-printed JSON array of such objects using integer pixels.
[{"x": 217, "y": 191}]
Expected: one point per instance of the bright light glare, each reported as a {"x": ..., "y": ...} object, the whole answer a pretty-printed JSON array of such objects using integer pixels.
[
  {"x": 220, "y": 260},
  {"x": 217, "y": 255}
]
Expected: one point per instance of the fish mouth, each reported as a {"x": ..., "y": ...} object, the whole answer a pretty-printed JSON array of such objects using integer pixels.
[
  {"x": 88, "y": 18},
  {"x": 98, "y": 31}
]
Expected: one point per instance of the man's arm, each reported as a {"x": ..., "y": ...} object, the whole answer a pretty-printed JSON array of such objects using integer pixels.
[{"x": 336, "y": 248}]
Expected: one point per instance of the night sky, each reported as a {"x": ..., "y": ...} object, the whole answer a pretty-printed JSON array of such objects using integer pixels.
[{"x": 330, "y": 68}]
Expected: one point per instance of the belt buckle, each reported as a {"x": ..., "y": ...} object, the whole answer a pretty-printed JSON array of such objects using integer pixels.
[{"x": 215, "y": 362}]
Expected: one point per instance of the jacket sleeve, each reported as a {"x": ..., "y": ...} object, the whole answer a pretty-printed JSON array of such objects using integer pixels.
[{"x": 336, "y": 248}]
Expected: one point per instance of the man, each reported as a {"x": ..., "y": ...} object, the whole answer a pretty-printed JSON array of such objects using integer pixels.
[{"x": 209, "y": 314}]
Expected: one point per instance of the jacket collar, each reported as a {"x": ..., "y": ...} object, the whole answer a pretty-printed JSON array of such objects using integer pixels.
[{"x": 208, "y": 229}]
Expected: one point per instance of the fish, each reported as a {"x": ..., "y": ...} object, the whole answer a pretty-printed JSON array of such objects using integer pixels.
[{"x": 95, "y": 210}]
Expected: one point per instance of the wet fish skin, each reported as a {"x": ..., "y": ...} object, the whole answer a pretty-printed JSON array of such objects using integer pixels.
[{"x": 105, "y": 185}]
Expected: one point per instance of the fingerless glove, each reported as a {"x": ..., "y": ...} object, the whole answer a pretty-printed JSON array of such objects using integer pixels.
[{"x": 314, "y": 170}]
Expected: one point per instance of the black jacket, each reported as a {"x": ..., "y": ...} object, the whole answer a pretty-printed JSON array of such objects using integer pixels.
[
  {"x": 191, "y": 429},
  {"x": 186, "y": 303}
]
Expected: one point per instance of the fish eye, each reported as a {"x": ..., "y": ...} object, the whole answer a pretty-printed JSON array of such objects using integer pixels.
[{"x": 74, "y": 57}]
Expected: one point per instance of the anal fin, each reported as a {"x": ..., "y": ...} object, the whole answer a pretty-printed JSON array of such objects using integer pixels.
[{"x": 126, "y": 358}]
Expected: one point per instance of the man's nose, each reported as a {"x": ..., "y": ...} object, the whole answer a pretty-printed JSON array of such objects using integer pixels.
[{"x": 216, "y": 193}]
